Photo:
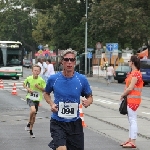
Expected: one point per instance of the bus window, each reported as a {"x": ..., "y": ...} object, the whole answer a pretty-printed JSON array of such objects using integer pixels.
[{"x": 13, "y": 57}]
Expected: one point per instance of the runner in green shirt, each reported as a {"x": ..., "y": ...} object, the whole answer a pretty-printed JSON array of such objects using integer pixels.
[{"x": 35, "y": 87}]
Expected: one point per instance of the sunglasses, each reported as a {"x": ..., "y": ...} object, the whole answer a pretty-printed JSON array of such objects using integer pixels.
[{"x": 67, "y": 59}]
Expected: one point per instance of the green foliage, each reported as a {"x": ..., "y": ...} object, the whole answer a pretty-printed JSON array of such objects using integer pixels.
[
  {"x": 119, "y": 22},
  {"x": 16, "y": 23},
  {"x": 61, "y": 23},
  {"x": 61, "y": 26}
]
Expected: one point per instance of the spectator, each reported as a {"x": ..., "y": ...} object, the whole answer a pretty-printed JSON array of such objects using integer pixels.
[
  {"x": 110, "y": 73},
  {"x": 50, "y": 69},
  {"x": 40, "y": 63},
  {"x": 133, "y": 89}
]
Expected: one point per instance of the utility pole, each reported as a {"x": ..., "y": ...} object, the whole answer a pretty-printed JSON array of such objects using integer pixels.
[{"x": 86, "y": 37}]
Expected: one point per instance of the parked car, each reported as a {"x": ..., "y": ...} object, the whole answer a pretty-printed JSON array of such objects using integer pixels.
[
  {"x": 145, "y": 70},
  {"x": 27, "y": 63},
  {"x": 121, "y": 73}
]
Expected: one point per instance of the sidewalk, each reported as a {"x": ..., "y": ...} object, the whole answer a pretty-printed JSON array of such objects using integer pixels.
[
  {"x": 103, "y": 79},
  {"x": 99, "y": 79}
]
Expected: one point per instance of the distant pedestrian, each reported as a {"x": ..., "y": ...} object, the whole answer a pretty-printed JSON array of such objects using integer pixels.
[
  {"x": 44, "y": 68},
  {"x": 40, "y": 63},
  {"x": 65, "y": 124},
  {"x": 50, "y": 69},
  {"x": 35, "y": 86},
  {"x": 110, "y": 73},
  {"x": 133, "y": 89}
]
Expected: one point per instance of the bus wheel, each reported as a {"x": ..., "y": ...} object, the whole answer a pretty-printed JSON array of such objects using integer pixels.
[{"x": 17, "y": 78}]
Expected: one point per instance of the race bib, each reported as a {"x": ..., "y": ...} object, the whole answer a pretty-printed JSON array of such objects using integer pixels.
[
  {"x": 68, "y": 110},
  {"x": 35, "y": 96}
]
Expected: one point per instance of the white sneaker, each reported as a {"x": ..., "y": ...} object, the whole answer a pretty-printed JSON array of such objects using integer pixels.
[
  {"x": 27, "y": 128},
  {"x": 32, "y": 136}
]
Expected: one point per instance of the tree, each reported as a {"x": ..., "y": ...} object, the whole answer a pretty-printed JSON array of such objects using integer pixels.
[
  {"x": 62, "y": 22},
  {"x": 118, "y": 21},
  {"x": 17, "y": 24},
  {"x": 60, "y": 25}
]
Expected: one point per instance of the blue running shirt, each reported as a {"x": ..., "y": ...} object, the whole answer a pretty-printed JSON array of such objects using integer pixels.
[{"x": 67, "y": 90}]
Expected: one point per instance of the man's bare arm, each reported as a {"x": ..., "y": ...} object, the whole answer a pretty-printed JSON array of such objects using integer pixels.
[
  {"x": 88, "y": 101},
  {"x": 48, "y": 98},
  {"x": 53, "y": 106}
]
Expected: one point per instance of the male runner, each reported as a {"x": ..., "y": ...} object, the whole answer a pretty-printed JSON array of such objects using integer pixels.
[{"x": 65, "y": 124}]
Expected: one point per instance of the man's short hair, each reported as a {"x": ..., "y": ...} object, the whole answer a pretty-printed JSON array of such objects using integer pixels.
[
  {"x": 36, "y": 66},
  {"x": 68, "y": 51},
  {"x": 39, "y": 60},
  {"x": 43, "y": 59},
  {"x": 49, "y": 60}
]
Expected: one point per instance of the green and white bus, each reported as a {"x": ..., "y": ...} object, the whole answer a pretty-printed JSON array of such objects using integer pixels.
[{"x": 11, "y": 59}]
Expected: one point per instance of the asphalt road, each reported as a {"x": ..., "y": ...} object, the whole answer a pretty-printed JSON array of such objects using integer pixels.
[
  {"x": 13, "y": 118},
  {"x": 106, "y": 128}
]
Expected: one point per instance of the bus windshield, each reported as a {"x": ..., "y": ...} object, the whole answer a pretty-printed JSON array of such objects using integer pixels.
[
  {"x": 145, "y": 64},
  {"x": 10, "y": 55}
]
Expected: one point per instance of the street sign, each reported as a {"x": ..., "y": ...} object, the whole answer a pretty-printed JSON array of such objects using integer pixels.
[
  {"x": 40, "y": 47},
  {"x": 89, "y": 55},
  {"x": 98, "y": 54},
  {"x": 115, "y": 46},
  {"x": 90, "y": 49},
  {"x": 98, "y": 45},
  {"x": 111, "y": 47}
]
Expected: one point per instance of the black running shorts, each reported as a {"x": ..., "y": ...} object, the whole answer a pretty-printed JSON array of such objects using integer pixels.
[
  {"x": 33, "y": 103},
  {"x": 69, "y": 134}
]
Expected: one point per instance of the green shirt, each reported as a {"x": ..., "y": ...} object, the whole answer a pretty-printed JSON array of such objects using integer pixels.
[{"x": 37, "y": 94}]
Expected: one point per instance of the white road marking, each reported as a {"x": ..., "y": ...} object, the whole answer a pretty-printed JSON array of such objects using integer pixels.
[
  {"x": 106, "y": 102},
  {"x": 19, "y": 86},
  {"x": 15, "y": 83},
  {"x": 116, "y": 92},
  {"x": 24, "y": 90},
  {"x": 22, "y": 99},
  {"x": 146, "y": 113},
  {"x": 12, "y": 87}
]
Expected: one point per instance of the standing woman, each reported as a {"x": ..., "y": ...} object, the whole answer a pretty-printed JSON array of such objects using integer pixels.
[{"x": 133, "y": 89}]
